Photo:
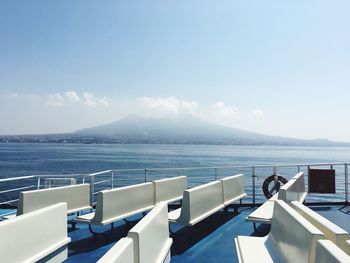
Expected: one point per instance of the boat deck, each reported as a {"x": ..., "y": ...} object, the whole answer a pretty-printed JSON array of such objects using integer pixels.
[{"x": 209, "y": 241}]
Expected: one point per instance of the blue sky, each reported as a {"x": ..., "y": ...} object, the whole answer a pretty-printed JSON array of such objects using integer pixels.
[{"x": 276, "y": 67}]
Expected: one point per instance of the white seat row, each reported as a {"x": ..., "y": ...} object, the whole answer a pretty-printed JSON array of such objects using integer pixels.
[
  {"x": 331, "y": 231},
  {"x": 292, "y": 239},
  {"x": 169, "y": 189},
  {"x": 120, "y": 203},
  {"x": 294, "y": 190},
  {"x": 328, "y": 252},
  {"x": 40, "y": 235},
  {"x": 147, "y": 242},
  {"x": 77, "y": 198},
  {"x": 202, "y": 201}
]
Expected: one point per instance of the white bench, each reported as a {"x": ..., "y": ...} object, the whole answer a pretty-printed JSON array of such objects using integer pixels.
[
  {"x": 169, "y": 189},
  {"x": 121, "y": 252},
  {"x": 119, "y": 203},
  {"x": 233, "y": 188},
  {"x": 331, "y": 231},
  {"x": 77, "y": 198},
  {"x": 328, "y": 252},
  {"x": 147, "y": 242},
  {"x": 38, "y": 235},
  {"x": 198, "y": 203},
  {"x": 294, "y": 190},
  {"x": 292, "y": 239}
]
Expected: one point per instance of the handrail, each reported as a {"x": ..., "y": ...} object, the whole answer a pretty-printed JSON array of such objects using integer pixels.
[
  {"x": 98, "y": 173},
  {"x": 117, "y": 174},
  {"x": 16, "y": 178},
  {"x": 17, "y": 189}
]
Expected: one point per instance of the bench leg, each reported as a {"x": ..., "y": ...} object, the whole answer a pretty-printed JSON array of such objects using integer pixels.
[
  {"x": 97, "y": 233},
  {"x": 170, "y": 231},
  {"x": 258, "y": 231}
]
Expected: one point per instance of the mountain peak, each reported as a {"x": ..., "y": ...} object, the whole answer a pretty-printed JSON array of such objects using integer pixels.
[{"x": 184, "y": 129}]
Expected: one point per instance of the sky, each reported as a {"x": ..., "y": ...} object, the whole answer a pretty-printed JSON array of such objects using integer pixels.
[{"x": 273, "y": 67}]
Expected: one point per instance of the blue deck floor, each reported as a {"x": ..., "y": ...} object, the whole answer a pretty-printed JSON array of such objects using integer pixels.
[{"x": 208, "y": 241}]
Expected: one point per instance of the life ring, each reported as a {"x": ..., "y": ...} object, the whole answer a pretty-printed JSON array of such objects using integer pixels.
[{"x": 277, "y": 180}]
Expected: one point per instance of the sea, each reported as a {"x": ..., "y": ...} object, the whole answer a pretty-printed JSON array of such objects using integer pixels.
[{"x": 201, "y": 163}]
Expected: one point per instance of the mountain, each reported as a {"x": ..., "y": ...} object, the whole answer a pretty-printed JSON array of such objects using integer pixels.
[
  {"x": 185, "y": 129},
  {"x": 171, "y": 130}
]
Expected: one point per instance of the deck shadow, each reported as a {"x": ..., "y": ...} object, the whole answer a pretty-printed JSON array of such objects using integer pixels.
[
  {"x": 186, "y": 237},
  {"x": 93, "y": 242}
]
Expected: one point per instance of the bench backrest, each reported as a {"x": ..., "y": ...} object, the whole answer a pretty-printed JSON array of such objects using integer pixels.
[
  {"x": 201, "y": 201},
  {"x": 121, "y": 252},
  {"x": 151, "y": 236},
  {"x": 169, "y": 189},
  {"x": 35, "y": 235},
  {"x": 292, "y": 236},
  {"x": 76, "y": 197},
  {"x": 232, "y": 188},
  {"x": 123, "y": 200},
  {"x": 327, "y": 251},
  {"x": 331, "y": 231},
  {"x": 294, "y": 190}
]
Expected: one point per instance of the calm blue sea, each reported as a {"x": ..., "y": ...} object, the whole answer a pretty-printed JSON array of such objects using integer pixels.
[{"x": 19, "y": 159}]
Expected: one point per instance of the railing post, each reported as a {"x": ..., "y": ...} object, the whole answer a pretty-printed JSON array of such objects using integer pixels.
[
  {"x": 216, "y": 173},
  {"x": 146, "y": 173},
  {"x": 274, "y": 170},
  {"x": 38, "y": 183},
  {"x": 346, "y": 182},
  {"x": 298, "y": 168},
  {"x": 92, "y": 189},
  {"x": 253, "y": 183},
  {"x": 112, "y": 178}
]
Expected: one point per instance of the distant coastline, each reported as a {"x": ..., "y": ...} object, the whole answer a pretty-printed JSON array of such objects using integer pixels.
[
  {"x": 185, "y": 130},
  {"x": 74, "y": 139}
]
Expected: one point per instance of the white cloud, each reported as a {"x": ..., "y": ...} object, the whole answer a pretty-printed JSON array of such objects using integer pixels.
[
  {"x": 230, "y": 112},
  {"x": 169, "y": 105},
  {"x": 225, "y": 111},
  {"x": 55, "y": 100},
  {"x": 91, "y": 101},
  {"x": 14, "y": 95},
  {"x": 190, "y": 107},
  {"x": 72, "y": 98}
]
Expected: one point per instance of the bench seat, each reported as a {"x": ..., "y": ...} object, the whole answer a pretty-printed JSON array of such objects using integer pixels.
[
  {"x": 233, "y": 188},
  {"x": 263, "y": 214},
  {"x": 175, "y": 215},
  {"x": 331, "y": 231},
  {"x": 121, "y": 252},
  {"x": 293, "y": 190},
  {"x": 40, "y": 235},
  {"x": 292, "y": 239},
  {"x": 90, "y": 217},
  {"x": 328, "y": 252},
  {"x": 252, "y": 249},
  {"x": 119, "y": 203},
  {"x": 147, "y": 242},
  {"x": 169, "y": 189},
  {"x": 77, "y": 198},
  {"x": 198, "y": 203}
]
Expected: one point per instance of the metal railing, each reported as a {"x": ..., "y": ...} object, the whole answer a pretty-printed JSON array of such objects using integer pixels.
[{"x": 112, "y": 178}]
